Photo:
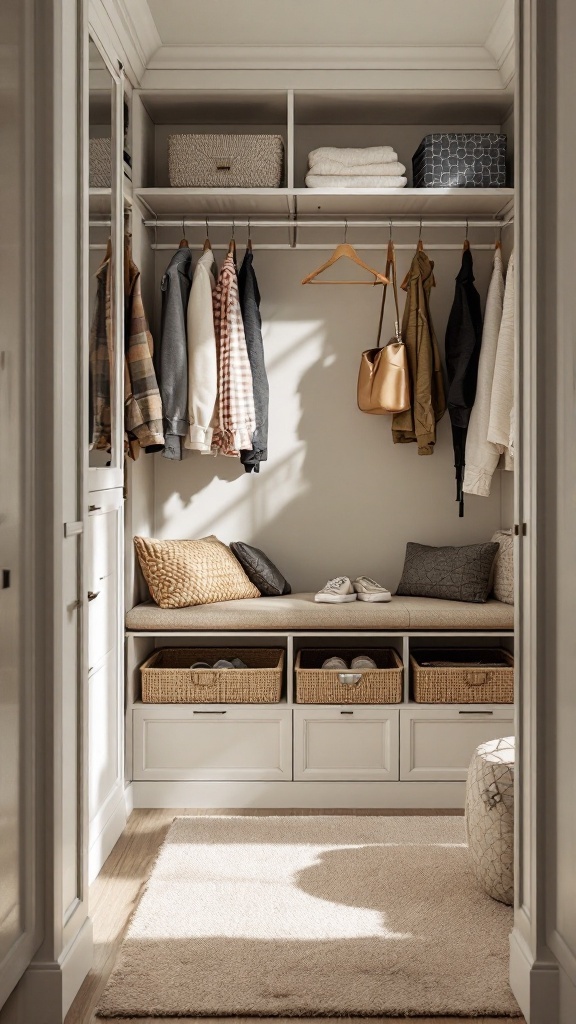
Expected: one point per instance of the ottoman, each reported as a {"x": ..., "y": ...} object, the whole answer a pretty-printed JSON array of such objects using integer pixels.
[{"x": 490, "y": 817}]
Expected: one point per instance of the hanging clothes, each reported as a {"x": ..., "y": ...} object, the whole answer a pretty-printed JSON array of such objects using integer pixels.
[
  {"x": 428, "y": 403},
  {"x": 202, "y": 358},
  {"x": 482, "y": 456},
  {"x": 142, "y": 403},
  {"x": 100, "y": 359},
  {"x": 463, "y": 343},
  {"x": 250, "y": 307},
  {"x": 236, "y": 418},
  {"x": 502, "y": 412},
  {"x": 172, "y": 354}
]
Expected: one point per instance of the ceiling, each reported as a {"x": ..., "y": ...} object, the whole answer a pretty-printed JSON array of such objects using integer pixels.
[{"x": 325, "y": 22}]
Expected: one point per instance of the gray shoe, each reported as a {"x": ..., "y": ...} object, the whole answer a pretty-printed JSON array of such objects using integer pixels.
[
  {"x": 338, "y": 664},
  {"x": 363, "y": 662},
  {"x": 368, "y": 590}
]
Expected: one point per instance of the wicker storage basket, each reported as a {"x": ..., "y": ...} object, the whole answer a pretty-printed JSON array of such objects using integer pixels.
[
  {"x": 168, "y": 679},
  {"x": 225, "y": 161},
  {"x": 458, "y": 160},
  {"x": 100, "y": 163},
  {"x": 317, "y": 685},
  {"x": 463, "y": 676}
]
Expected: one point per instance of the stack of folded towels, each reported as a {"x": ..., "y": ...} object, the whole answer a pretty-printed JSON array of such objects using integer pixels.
[{"x": 374, "y": 167}]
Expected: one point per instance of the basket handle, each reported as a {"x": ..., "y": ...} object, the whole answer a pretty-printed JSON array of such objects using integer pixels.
[
  {"x": 350, "y": 678},
  {"x": 477, "y": 679}
]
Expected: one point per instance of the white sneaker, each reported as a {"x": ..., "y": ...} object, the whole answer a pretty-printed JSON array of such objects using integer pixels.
[
  {"x": 368, "y": 590},
  {"x": 336, "y": 591},
  {"x": 338, "y": 664},
  {"x": 363, "y": 662}
]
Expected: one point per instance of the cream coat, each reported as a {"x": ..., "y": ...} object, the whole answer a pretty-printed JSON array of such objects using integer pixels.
[
  {"x": 202, "y": 358},
  {"x": 482, "y": 456}
]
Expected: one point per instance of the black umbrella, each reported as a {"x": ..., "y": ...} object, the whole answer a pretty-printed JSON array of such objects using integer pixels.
[{"x": 463, "y": 341}]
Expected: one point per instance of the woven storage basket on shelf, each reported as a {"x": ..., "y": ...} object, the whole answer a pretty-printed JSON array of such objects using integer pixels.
[
  {"x": 317, "y": 685},
  {"x": 168, "y": 679},
  {"x": 463, "y": 676},
  {"x": 225, "y": 161},
  {"x": 100, "y": 163}
]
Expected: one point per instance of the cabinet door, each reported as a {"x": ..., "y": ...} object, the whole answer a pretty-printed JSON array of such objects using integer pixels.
[
  {"x": 104, "y": 741},
  {"x": 437, "y": 745},
  {"x": 212, "y": 742},
  {"x": 104, "y": 574},
  {"x": 345, "y": 744}
]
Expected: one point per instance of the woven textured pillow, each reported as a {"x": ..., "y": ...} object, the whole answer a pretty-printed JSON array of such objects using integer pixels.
[
  {"x": 180, "y": 573},
  {"x": 452, "y": 573},
  {"x": 260, "y": 570},
  {"x": 503, "y": 584}
]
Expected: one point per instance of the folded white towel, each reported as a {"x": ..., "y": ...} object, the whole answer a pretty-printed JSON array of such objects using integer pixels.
[
  {"x": 370, "y": 155},
  {"x": 333, "y": 167},
  {"x": 354, "y": 181}
]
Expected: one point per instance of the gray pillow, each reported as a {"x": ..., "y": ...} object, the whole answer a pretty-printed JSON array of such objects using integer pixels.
[
  {"x": 504, "y": 567},
  {"x": 260, "y": 570},
  {"x": 454, "y": 574}
]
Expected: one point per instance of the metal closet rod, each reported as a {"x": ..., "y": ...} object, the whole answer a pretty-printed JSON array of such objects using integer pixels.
[{"x": 343, "y": 222}]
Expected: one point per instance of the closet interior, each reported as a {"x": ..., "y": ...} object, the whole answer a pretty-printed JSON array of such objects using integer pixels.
[{"x": 336, "y": 496}]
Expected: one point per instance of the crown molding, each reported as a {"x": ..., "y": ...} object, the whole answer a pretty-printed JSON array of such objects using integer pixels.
[
  {"x": 500, "y": 43},
  {"x": 127, "y": 30},
  {"x": 176, "y": 57}
]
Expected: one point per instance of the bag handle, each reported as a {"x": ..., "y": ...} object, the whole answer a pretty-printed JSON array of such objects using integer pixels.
[{"x": 390, "y": 266}]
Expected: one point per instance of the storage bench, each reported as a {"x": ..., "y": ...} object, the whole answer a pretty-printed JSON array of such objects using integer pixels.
[{"x": 325, "y": 755}]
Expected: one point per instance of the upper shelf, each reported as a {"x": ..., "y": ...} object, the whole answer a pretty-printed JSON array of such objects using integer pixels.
[{"x": 409, "y": 202}]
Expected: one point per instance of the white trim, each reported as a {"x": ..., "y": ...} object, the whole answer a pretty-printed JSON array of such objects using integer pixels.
[
  {"x": 500, "y": 42},
  {"x": 378, "y": 795},
  {"x": 47, "y": 989},
  {"x": 212, "y": 56},
  {"x": 534, "y": 983},
  {"x": 106, "y": 829}
]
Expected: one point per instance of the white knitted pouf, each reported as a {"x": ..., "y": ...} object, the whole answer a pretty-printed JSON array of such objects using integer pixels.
[{"x": 490, "y": 817}]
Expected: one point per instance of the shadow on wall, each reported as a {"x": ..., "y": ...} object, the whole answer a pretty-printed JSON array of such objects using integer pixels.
[{"x": 336, "y": 496}]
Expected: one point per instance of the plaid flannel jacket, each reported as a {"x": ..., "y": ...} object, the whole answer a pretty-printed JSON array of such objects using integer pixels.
[
  {"x": 142, "y": 402},
  {"x": 237, "y": 420}
]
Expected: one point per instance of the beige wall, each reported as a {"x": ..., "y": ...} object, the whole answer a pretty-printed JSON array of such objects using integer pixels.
[{"x": 336, "y": 496}]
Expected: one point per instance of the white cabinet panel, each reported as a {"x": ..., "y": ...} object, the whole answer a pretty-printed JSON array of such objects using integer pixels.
[
  {"x": 345, "y": 744},
  {"x": 103, "y": 620},
  {"x": 104, "y": 738},
  {"x": 437, "y": 744},
  {"x": 212, "y": 742}
]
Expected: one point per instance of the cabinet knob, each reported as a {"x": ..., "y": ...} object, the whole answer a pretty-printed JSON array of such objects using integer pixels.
[{"x": 92, "y": 594}]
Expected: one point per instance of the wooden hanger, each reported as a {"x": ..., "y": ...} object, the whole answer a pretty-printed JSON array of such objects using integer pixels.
[
  {"x": 466, "y": 246},
  {"x": 344, "y": 249},
  {"x": 249, "y": 242},
  {"x": 232, "y": 245}
]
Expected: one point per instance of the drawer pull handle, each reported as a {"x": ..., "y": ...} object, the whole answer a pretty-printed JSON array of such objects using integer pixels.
[
  {"x": 94, "y": 508},
  {"x": 208, "y": 712},
  {"x": 475, "y": 712},
  {"x": 349, "y": 678},
  {"x": 346, "y": 712},
  {"x": 93, "y": 594}
]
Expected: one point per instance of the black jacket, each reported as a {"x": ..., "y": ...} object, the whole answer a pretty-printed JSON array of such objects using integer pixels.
[
  {"x": 250, "y": 306},
  {"x": 463, "y": 341}
]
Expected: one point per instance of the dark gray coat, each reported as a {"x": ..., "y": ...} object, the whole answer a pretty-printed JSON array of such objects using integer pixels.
[{"x": 172, "y": 357}]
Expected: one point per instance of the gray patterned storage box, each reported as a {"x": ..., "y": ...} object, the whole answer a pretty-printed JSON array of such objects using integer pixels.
[
  {"x": 451, "y": 160},
  {"x": 225, "y": 161}
]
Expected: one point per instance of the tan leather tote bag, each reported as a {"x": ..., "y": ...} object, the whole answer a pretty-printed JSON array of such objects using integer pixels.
[{"x": 383, "y": 380}]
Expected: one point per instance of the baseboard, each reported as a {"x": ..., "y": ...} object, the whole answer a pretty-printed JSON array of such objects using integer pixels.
[
  {"x": 535, "y": 984},
  {"x": 393, "y": 795},
  {"x": 47, "y": 990},
  {"x": 102, "y": 844}
]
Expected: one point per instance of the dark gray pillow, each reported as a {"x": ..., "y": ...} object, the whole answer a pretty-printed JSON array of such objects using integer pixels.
[
  {"x": 261, "y": 571},
  {"x": 455, "y": 574}
]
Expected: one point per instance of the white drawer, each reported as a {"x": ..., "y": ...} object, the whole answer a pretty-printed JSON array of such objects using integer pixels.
[
  {"x": 212, "y": 743},
  {"x": 437, "y": 745},
  {"x": 345, "y": 744}
]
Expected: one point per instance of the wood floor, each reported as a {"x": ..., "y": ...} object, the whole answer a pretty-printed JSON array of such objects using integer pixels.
[{"x": 116, "y": 891}]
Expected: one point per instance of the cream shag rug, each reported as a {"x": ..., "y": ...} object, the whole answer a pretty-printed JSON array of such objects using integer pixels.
[{"x": 312, "y": 916}]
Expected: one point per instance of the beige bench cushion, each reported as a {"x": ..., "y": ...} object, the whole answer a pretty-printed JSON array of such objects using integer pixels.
[{"x": 299, "y": 612}]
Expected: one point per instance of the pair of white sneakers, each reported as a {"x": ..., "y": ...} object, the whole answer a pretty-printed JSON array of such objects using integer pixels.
[{"x": 342, "y": 589}]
